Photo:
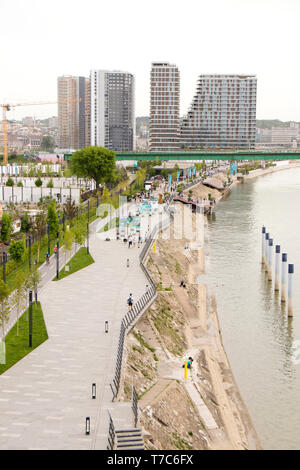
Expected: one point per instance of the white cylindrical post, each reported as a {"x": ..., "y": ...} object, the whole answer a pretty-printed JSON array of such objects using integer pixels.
[
  {"x": 270, "y": 267},
  {"x": 283, "y": 277},
  {"x": 277, "y": 251},
  {"x": 263, "y": 231},
  {"x": 267, "y": 251},
  {"x": 290, "y": 291}
]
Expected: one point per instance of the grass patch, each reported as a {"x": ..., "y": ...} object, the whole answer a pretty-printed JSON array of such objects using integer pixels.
[
  {"x": 114, "y": 224},
  {"x": 79, "y": 261},
  {"x": 17, "y": 346},
  {"x": 143, "y": 342}
]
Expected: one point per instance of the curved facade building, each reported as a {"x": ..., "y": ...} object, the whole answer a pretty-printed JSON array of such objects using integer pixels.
[{"x": 222, "y": 114}]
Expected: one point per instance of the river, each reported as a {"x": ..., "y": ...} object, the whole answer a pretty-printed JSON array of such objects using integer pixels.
[{"x": 257, "y": 335}]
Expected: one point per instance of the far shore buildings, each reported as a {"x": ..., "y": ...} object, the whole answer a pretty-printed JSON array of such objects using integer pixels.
[
  {"x": 113, "y": 110},
  {"x": 73, "y": 95},
  {"x": 164, "y": 107},
  {"x": 278, "y": 137},
  {"x": 222, "y": 114}
]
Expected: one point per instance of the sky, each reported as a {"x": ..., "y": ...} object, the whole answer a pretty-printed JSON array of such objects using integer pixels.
[{"x": 43, "y": 39}]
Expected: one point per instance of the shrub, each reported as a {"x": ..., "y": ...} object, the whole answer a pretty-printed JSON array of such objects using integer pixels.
[
  {"x": 9, "y": 182},
  {"x": 17, "y": 250},
  {"x": 38, "y": 182}
]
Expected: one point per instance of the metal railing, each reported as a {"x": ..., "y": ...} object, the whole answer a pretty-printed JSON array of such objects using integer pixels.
[
  {"x": 111, "y": 434},
  {"x": 134, "y": 406},
  {"x": 147, "y": 299}
]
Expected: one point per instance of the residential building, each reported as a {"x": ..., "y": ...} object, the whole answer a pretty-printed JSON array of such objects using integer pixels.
[
  {"x": 73, "y": 112},
  {"x": 164, "y": 126},
  {"x": 113, "y": 110},
  {"x": 222, "y": 114}
]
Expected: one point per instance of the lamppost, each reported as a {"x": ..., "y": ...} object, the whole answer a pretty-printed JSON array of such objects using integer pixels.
[
  {"x": 29, "y": 252},
  {"x": 30, "y": 319},
  {"x": 88, "y": 211},
  {"x": 48, "y": 233},
  {"x": 57, "y": 256},
  {"x": 87, "y": 239},
  {"x": 4, "y": 259}
]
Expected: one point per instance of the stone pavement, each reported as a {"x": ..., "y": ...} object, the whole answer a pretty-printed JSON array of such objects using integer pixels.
[{"x": 45, "y": 398}]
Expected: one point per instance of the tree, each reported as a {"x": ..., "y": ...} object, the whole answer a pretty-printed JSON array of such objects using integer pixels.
[
  {"x": 50, "y": 184},
  {"x": 25, "y": 223},
  {"x": 20, "y": 184},
  {"x": 96, "y": 163},
  {"x": 33, "y": 282},
  {"x": 47, "y": 142},
  {"x": 79, "y": 233},
  {"x": 17, "y": 250},
  {"x": 10, "y": 182},
  {"x": 38, "y": 182},
  {"x": 105, "y": 196},
  {"x": 69, "y": 208},
  {"x": 4, "y": 306},
  {"x": 52, "y": 219},
  {"x": 19, "y": 296},
  {"x": 6, "y": 227},
  {"x": 39, "y": 230}
]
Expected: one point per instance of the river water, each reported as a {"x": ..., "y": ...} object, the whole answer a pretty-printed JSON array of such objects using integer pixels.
[{"x": 257, "y": 335}]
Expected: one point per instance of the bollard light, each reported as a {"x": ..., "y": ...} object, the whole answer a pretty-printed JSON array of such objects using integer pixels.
[
  {"x": 94, "y": 391},
  {"x": 106, "y": 327},
  {"x": 127, "y": 263},
  {"x": 290, "y": 290},
  {"x": 87, "y": 426}
]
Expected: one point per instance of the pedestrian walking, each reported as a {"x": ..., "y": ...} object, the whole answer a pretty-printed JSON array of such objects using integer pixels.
[
  {"x": 129, "y": 241},
  {"x": 130, "y": 302}
]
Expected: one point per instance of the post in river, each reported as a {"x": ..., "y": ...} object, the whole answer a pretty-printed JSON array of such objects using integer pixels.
[
  {"x": 263, "y": 258},
  {"x": 277, "y": 251},
  {"x": 283, "y": 277},
  {"x": 267, "y": 251},
  {"x": 290, "y": 291},
  {"x": 270, "y": 259}
]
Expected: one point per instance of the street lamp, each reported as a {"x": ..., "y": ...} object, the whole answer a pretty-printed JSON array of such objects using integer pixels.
[
  {"x": 87, "y": 238},
  {"x": 4, "y": 259},
  {"x": 30, "y": 319},
  {"x": 57, "y": 256},
  {"x": 48, "y": 233},
  {"x": 29, "y": 252}
]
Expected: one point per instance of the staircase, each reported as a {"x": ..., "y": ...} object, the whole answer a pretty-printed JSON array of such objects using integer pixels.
[{"x": 129, "y": 439}]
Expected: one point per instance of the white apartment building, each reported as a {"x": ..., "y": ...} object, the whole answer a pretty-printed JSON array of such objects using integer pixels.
[
  {"x": 113, "y": 110},
  {"x": 278, "y": 137},
  {"x": 222, "y": 114},
  {"x": 164, "y": 126}
]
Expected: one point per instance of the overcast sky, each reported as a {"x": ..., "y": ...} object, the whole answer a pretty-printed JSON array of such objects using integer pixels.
[{"x": 42, "y": 39}]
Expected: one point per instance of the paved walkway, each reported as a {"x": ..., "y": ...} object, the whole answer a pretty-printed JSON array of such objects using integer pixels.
[{"x": 45, "y": 398}]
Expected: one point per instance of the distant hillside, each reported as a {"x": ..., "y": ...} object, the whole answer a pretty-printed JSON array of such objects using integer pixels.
[{"x": 269, "y": 123}]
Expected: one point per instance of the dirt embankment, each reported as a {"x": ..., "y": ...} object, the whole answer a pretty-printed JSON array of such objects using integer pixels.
[{"x": 205, "y": 411}]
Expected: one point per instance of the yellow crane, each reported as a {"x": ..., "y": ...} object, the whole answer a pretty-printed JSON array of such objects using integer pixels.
[{"x": 7, "y": 107}]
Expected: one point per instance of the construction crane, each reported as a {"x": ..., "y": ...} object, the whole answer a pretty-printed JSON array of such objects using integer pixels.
[{"x": 8, "y": 107}]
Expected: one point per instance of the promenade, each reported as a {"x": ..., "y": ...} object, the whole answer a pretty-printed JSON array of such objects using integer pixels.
[{"x": 45, "y": 398}]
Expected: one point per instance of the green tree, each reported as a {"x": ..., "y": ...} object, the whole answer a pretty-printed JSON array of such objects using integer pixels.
[
  {"x": 50, "y": 184},
  {"x": 79, "y": 234},
  {"x": 19, "y": 296},
  {"x": 33, "y": 283},
  {"x": 6, "y": 227},
  {"x": 47, "y": 143},
  {"x": 10, "y": 182},
  {"x": 105, "y": 196},
  {"x": 69, "y": 208},
  {"x": 4, "y": 306},
  {"x": 17, "y": 250},
  {"x": 52, "y": 219},
  {"x": 96, "y": 163},
  {"x": 20, "y": 184},
  {"x": 25, "y": 223},
  {"x": 39, "y": 228},
  {"x": 38, "y": 182}
]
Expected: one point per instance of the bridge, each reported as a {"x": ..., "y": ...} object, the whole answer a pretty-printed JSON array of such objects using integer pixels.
[{"x": 202, "y": 155}]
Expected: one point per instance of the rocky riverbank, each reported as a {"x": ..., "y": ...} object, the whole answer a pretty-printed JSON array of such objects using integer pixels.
[{"x": 206, "y": 410}]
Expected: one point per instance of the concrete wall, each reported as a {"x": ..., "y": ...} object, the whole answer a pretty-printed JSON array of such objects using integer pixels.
[{"x": 16, "y": 194}]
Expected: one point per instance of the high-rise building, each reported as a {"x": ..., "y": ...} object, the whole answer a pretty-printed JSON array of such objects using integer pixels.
[
  {"x": 112, "y": 110},
  {"x": 73, "y": 112},
  {"x": 164, "y": 126},
  {"x": 222, "y": 113}
]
